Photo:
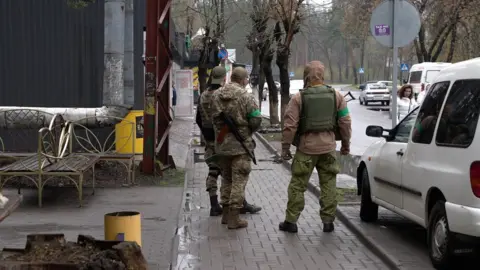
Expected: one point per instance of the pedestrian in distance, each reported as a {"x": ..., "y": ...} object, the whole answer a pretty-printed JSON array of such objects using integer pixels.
[
  {"x": 236, "y": 117},
  {"x": 204, "y": 121},
  {"x": 314, "y": 120},
  {"x": 405, "y": 102}
]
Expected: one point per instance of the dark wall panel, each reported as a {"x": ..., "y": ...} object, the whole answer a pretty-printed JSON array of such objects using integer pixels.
[{"x": 51, "y": 55}]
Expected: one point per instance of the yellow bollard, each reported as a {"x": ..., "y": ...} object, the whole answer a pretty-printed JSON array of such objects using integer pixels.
[{"x": 123, "y": 226}]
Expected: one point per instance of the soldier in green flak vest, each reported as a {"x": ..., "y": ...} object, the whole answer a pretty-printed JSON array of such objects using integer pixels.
[{"x": 315, "y": 118}]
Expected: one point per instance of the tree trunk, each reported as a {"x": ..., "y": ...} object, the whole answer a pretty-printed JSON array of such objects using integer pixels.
[
  {"x": 261, "y": 83},
  {"x": 272, "y": 90},
  {"x": 362, "y": 55},
  {"x": 347, "y": 57},
  {"x": 326, "y": 52},
  {"x": 340, "y": 75},
  {"x": 354, "y": 62},
  {"x": 282, "y": 63},
  {"x": 453, "y": 40}
]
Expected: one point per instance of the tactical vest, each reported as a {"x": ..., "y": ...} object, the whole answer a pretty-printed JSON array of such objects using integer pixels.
[{"x": 319, "y": 109}]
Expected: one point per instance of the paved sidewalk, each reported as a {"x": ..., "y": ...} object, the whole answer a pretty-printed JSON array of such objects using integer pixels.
[
  {"x": 207, "y": 245},
  {"x": 159, "y": 205}
]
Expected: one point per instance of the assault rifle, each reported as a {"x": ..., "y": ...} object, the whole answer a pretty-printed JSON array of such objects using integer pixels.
[{"x": 230, "y": 126}]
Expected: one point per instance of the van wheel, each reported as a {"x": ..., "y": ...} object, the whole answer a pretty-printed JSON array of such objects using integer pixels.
[
  {"x": 439, "y": 238},
  {"x": 368, "y": 209}
]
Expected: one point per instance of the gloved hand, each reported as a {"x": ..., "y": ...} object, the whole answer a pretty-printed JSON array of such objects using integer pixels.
[
  {"x": 345, "y": 149},
  {"x": 286, "y": 154}
]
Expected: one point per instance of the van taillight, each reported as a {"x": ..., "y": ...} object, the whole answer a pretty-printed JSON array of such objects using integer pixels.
[
  {"x": 475, "y": 178},
  {"x": 423, "y": 86}
]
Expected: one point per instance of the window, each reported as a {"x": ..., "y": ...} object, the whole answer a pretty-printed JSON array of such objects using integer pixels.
[
  {"x": 402, "y": 131},
  {"x": 460, "y": 115},
  {"x": 429, "y": 113},
  {"x": 415, "y": 77},
  {"x": 431, "y": 74}
]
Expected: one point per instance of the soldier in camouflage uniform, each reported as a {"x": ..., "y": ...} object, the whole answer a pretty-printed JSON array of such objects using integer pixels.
[
  {"x": 203, "y": 119},
  {"x": 313, "y": 118},
  {"x": 235, "y": 163}
]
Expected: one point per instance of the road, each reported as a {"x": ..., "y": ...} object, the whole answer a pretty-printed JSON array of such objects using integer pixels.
[{"x": 361, "y": 118}]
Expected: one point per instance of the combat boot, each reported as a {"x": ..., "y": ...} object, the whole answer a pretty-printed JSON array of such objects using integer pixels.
[
  {"x": 250, "y": 208},
  {"x": 225, "y": 214},
  {"x": 288, "y": 227},
  {"x": 328, "y": 227},
  {"x": 234, "y": 221},
  {"x": 215, "y": 208}
]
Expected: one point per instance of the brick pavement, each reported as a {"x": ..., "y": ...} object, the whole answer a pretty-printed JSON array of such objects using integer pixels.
[
  {"x": 203, "y": 243},
  {"x": 159, "y": 207}
]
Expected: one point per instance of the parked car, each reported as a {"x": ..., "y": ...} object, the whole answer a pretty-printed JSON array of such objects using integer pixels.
[
  {"x": 429, "y": 172},
  {"x": 362, "y": 86},
  {"x": 250, "y": 90},
  {"x": 374, "y": 92},
  {"x": 389, "y": 85},
  {"x": 295, "y": 86},
  {"x": 265, "y": 89}
]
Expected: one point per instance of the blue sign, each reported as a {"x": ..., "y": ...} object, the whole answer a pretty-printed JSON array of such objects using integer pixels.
[
  {"x": 404, "y": 67},
  {"x": 222, "y": 54},
  {"x": 292, "y": 74},
  {"x": 361, "y": 71}
]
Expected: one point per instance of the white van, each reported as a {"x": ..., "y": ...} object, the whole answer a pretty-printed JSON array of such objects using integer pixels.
[
  {"x": 427, "y": 168},
  {"x": 422, "y": 74}
]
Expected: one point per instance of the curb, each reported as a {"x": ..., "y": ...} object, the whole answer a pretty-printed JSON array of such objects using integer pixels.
[
  {"x": 368, "y": 241},
  {"x": 189, "y": 167}
]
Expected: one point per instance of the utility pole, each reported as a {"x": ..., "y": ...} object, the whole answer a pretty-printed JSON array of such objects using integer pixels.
[
  {"x": 113, "y": 92},
  {"x": 128, "y": 63}
]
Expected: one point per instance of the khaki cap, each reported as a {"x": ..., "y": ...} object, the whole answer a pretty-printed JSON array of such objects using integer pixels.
[{"x": 218, "y": 75}]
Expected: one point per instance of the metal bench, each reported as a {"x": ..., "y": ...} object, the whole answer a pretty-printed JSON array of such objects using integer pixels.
[
  {"x": 18, "y": 130},
  {"x": 51, "y": 160},
  {"x": 116, "y": 145}
]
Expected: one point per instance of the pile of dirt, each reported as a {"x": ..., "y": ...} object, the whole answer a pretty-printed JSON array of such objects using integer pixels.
[{"x": 86, "y": 254}]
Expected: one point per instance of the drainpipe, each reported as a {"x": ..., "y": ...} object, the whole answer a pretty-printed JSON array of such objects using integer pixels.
[
  {"x": 113, "y": 82},
  {"x": 128, "y": 80},
  {"x": 113, "y": 92},
  {"x": 22, "y": 117}
]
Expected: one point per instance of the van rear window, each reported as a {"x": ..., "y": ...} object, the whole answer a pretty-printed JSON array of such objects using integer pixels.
[
  {"x": 460, "y": 115},
  {"x": 415, "y": 77}
]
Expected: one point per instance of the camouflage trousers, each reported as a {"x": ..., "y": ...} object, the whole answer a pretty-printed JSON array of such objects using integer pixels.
[
  {"x": 302, "y": 168},
  {"x": 235, "y": 172},
  {"x": 213, "y": 169}
]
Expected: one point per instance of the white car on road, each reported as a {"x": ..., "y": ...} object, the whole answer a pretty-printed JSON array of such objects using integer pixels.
[
  {"x": 427, "y": 168},
  {"x": 375, "y": 92}
]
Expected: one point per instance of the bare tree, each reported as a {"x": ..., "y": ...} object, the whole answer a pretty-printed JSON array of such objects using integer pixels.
[
  {"x": 260, "y": 42},
  {"x": 288, "y": 14}
]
